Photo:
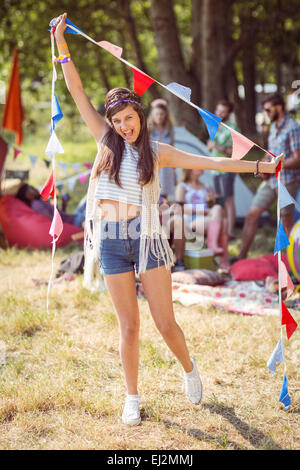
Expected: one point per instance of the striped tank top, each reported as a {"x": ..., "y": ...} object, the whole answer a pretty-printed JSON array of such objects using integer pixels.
[{"x": 131, "y": 190}]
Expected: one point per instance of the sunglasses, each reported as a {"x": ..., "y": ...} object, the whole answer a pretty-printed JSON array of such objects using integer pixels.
[{"x": 268, "y": 110}]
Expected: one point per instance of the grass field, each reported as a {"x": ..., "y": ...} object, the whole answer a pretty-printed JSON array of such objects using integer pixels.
[{"x": 62, "y": 385}]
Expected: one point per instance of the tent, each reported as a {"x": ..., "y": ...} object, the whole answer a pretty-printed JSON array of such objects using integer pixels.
[{"x": 186, "y": 141}]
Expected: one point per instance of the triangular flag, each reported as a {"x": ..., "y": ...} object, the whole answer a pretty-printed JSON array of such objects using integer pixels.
[
  {"x": 67, "y": 30},
  {"x": 288, "y": 321},
  {"x": 240, "y": 145},
  {"x": 13, "y": 113},
  {"x": 282, "y": 240},
  {"x": 286, "y": 281},
  {"x": 16, "y": 152},
  {"x": 284, "y": 394},
  {"x": 115, "y": 50},
  {"x": 63, "y": 166},
  {"x": 278, "y": 170},
  {"x": 76, "y": 166},
  {"x": 54, "y": 146},
  {"x": 180, "y": 90},
  {"x": 71, "y": 182},
  {"x": 33, "y": 159},
  {"x": 141, "y": 81},
  {"x": 285, "y": 199},
  {"x": 49, "y": 187},
  {"x": 57, "y": 114},
  {"x": 88, "y": 165},
  {"x": 212, "y": 122},
  {"x": 277, "y": 356},
  {"x": 57, "y": 225},
  {"x": 83, "y": 177}
]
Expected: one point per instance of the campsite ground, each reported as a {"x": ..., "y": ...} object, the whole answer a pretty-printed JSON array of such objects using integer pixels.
[{"x": 62, "y": 387}]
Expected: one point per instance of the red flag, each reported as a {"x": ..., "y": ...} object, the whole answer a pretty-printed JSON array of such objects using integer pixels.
[
  {"x": 49, "y": 187},
  {"x": 278, "y": 169},
  {"x": 13, "y": 114},
  {"x": 141, "y": 81},
  {"x": 288, "y": 321}
]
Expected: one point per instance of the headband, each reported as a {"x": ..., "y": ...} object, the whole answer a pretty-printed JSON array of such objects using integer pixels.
[{"x": 121, "y": 101}]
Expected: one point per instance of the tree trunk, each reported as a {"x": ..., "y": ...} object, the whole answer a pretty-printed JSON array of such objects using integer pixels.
[
  {"x": 170, "y": 62},
  {"x": 249, "y": 79}
]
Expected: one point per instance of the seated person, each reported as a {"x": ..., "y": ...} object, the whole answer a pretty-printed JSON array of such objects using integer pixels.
[
  {"x": 212, "y": 221},
  {"x": 33, "y": 199},
  {"x": 173, "y": 224}
]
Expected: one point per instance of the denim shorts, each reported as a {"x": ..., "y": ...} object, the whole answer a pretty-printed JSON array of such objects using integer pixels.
[{"x": 120, "y": 247}]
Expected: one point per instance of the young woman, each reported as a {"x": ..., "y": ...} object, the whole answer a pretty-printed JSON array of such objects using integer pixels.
[
  {"x": 126, "y": 186},
  {"x": 161, "y": 129},
  {"x": 193, "y": 193}
]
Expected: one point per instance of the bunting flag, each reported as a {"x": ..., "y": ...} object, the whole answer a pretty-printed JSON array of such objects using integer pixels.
[
  {"x": 83, "y": 177},
  {"x": 57, "y": 114},
  {"x": 286, "y": 280},
  {"x": 54, "y": 146},
  {"x": 180, "y": 90},
  {"x": 277, "y": 356},
  {"x": 76, "y": 166},
  {"x": 288, "y": 321},
  {"x": 115, "y": 50},
  {"x": 284, "y": 394},
  {"x": 88, "y": 165},
  {"x": 13, "y": 113},
  {"x": 278, "y": 170},
  {"x": 141, "y": 81},
  {"x": 33, "y": 159},
  {"x": 16, "y": 152},
  {"x": 282, "y": 240},
  {"x": 212, "y": 122},
  {"x": 286, "y": 199},
  {"x": 56, "y": 225},
  {"x": 49, "y": 187},
  {"x": 63, "y": 166},
  {"x": 240, "y": 145}
]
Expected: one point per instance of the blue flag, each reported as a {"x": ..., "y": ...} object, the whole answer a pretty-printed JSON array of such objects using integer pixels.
[
  {"x": 212, "y": 122},
  {"x": 56, "y": 112},
  {"x": 67, "y": 30},
  {"x": 284, "y": 398},
  {"x": 277, "y": 356},
  {"x": 282, "y": 240}
]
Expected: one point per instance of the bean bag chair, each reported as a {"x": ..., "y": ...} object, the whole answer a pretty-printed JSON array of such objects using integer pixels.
[
  {"x": 23, "y": 227},
  {"x": 257, "y": 269}
]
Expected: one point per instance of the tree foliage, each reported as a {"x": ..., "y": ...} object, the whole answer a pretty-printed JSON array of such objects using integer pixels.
[{"x": 213, "y": 46}]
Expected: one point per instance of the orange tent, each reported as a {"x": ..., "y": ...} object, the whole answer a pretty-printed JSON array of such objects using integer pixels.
[{"x": 13, "y": 114}]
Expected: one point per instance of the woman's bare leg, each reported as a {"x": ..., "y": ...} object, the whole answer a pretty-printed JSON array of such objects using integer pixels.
[
  {"x": 158, "y": 289},
  {"x": 122, "y": 289}
]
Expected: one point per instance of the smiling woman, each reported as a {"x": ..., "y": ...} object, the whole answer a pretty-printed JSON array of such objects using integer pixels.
[{"x": 127, "y": 234}]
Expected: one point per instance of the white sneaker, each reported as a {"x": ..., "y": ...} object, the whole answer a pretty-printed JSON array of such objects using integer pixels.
[
  {"x": 193, "y": 384},
  {"x": 131, "y": 413}
]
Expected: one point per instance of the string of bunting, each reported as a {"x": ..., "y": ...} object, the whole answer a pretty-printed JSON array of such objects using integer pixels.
[{"x": 240, "y": 147}]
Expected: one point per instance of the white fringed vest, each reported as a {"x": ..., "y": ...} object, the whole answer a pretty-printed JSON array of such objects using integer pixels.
[{"x": 152, "y": 233}]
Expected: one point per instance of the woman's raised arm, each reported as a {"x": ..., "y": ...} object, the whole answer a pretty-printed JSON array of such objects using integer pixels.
[
  {"x": 91, "y": 117},
  {"x": 170, "y": 156}
]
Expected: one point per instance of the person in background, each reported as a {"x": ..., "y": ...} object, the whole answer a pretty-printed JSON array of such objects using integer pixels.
[
  {"x": 33, "y": 199},
  {"x": 221, "y": 146},
  {"x": 161, "y": 129},
  {"x": 284, "y": 137},
  {"x": 193, "y": 192}
]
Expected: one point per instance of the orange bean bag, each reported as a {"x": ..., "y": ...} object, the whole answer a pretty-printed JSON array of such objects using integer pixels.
[{"x": 23, "y": 227}]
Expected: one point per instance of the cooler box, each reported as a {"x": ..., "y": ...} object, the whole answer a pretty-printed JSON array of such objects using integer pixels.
[{"x": 198, "y": 259}]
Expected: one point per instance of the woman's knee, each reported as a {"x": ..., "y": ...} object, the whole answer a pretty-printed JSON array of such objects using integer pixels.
[
  {"x": 130, "y": 331},
  {"x": 167, "y": 328}
]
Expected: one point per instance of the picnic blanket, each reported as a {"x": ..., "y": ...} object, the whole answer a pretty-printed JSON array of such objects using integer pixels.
[{"x": 245, "y": 297}]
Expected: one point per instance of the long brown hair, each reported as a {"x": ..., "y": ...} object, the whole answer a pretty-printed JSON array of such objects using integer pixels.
[{"x": 112, "y": 144}]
